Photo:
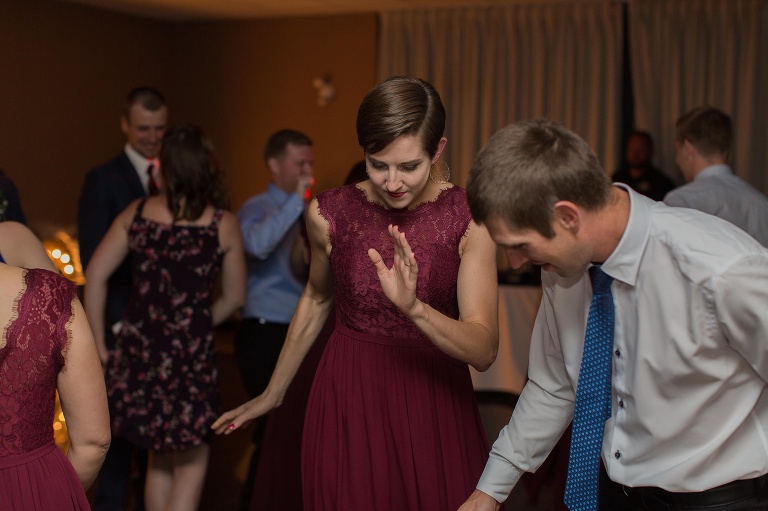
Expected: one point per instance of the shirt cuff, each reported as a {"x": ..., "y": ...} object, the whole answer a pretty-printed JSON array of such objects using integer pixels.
[{"x": 498, "y": 479}]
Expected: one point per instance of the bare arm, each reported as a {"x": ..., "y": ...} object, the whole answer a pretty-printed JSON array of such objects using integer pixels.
[
  {"x": 474, "y": 337},
  {"x": 84, "y": 400},
  {"x": 308, "y": 320},
  {"x": 20, "y": 247},
  {"x": 107, "y": 257},
  {"x": 233, "y": 274}
]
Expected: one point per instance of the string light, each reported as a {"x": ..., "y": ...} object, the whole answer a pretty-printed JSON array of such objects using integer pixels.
[{"x": 65, "y": 255}]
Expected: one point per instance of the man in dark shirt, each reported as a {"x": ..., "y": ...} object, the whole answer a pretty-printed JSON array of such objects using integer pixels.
[
  {"x": 108, "y": 189},
  {"x": 638, "y": 170}
]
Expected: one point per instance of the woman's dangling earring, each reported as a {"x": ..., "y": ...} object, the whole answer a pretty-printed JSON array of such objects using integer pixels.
[{"x": 440, "y": 172}]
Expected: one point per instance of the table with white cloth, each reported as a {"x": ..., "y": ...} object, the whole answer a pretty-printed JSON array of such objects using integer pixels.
[{"x": 517, "y": 311}]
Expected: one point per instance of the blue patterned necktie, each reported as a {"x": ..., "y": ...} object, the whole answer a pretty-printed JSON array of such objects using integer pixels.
[{"x": 593, "y": 398}]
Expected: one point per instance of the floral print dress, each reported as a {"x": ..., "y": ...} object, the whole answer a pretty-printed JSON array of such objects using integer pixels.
[{"x": 162, "y": 377}]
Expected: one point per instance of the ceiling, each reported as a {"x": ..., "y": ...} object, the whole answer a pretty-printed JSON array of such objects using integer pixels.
[{"x": 199, "y": 10}]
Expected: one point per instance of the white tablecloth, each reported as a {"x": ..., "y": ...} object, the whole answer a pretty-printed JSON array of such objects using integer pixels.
[{"x": 517, "y": 311}]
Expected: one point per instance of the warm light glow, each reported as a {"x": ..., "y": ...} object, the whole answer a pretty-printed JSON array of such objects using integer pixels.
[
  {"x": 65, "y": 256},
  {"x": 60, "y": 434}
]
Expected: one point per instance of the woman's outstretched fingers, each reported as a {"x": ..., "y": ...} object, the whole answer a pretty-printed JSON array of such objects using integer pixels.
[
  {"x": 376, "y": 259},
  {"x": 402, "y": 247},
  {"x": 221, "y": 425},
  {"x": 230, "y": 421}
]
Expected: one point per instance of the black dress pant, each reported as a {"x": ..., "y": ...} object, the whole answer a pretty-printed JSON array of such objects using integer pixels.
[
  {"x": 744, "y": 495},
  {"x": 257, "y": 347}
]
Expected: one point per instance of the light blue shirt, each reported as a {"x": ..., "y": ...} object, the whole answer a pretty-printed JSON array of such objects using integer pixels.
[
  {"x": 718, "y": 191},
  {"x": 270, "y": 225},
  {"x": 689, "y": 406}
]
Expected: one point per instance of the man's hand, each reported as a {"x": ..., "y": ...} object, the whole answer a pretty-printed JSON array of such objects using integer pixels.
[
  {"x": 480, "y": 501},
  {"x": 303, "y": 185}
]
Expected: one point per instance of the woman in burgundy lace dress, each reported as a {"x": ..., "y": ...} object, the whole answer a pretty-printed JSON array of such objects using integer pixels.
[
  {"x": 392, "y": 421},
  {"x": 162, "y": 377},
  {"x": 46, "y": 344}
]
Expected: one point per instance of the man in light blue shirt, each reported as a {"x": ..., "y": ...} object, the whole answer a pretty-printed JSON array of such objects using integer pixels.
[
  {"x": 702, "y": 144},
  {"x": 272, "y": 224}
]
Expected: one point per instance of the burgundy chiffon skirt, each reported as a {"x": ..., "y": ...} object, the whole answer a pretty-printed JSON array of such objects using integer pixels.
[
  {"x": 40, "y": 480},
  {"x": 391, "y": 424}
]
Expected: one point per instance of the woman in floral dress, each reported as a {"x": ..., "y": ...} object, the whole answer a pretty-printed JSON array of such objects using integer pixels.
[{"x": 162, "y": 376}]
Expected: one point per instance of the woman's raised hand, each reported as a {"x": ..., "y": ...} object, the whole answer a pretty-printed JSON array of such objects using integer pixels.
[{"x": 399, "y": 281}]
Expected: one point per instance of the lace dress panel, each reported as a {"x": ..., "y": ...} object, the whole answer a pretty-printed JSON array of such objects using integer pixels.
[
  {"x": 433, "y": 229},
  {"x": 35, "y": 342}
]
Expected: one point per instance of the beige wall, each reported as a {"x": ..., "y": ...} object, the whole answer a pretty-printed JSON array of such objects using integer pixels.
[
  {"x": 66, "y": 69},
  {"x": 244, "y": 80}
]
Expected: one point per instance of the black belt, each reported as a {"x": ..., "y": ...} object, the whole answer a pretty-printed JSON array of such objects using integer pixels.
[{"x": 736, "y": 491}]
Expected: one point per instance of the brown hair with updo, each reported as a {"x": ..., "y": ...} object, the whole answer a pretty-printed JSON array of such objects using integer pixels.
[{"x": 400, "y": 106}]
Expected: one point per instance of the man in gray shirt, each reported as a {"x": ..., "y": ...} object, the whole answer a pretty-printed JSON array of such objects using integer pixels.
[{"x": 702, "y": 144}]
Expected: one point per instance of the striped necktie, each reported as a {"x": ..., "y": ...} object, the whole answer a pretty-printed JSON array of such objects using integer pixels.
[{"x": 153, "y": 188}]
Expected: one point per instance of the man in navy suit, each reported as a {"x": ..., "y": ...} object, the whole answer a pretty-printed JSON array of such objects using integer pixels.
[{"x": 107, "y": 191}]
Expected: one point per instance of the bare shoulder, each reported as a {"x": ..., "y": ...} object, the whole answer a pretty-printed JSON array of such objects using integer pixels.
[
  {"x": 11, "y": 284},
  {"x": 10, "y": 277},
  {"x": 317, "y": 224},
  {"x": 10, "y": 231},
  {"x": 229, "y": 230},
  {"x": 19, "y": 246},
  {"x": 229, "y": 223},
  {"x": 126, "y": 216},
  {"x": 477, "y": 239}
]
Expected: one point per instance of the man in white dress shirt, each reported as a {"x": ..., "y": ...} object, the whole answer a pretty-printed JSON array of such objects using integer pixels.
[
  {"x": 702, "y": 144},
  {"x": 689, "y": 409},
  {"x": 108, "y": 189}
]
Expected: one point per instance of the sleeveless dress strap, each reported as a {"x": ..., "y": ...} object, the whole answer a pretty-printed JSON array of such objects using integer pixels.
[{"x": 139, "y": 209}]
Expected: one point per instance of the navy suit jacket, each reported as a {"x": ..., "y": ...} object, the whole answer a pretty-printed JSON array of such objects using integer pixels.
[{"x": 107, "y": 191}]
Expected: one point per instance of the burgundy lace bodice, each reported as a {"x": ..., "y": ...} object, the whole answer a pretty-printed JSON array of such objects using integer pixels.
[
  {"x": 35, "y": 341},
  {"x": 433, "y": 229}
]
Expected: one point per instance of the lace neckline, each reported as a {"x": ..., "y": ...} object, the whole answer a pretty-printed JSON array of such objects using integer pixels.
[{"x": 364, "y": 195}]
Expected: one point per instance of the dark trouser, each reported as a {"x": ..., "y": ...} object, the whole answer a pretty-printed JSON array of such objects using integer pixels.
[
  {"x": 746, "y": 495},
  {"x": 257, "y": 347},
  {"x": 124, "y": 468}
]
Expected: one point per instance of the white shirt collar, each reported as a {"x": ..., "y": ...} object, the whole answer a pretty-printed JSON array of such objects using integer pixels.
[{"x": 140, "y": 164}]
